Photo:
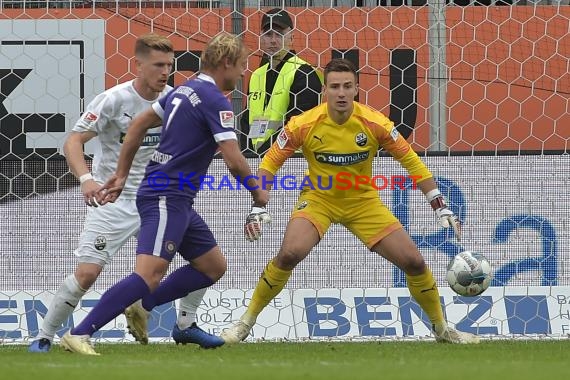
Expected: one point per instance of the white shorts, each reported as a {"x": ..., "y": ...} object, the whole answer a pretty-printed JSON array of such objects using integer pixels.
[{"x": 106, "y": 230}]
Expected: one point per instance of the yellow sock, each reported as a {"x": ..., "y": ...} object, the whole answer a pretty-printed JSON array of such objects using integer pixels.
[
  {"x": 424, "y": 290},
  {"x": 270, "y": 285}
]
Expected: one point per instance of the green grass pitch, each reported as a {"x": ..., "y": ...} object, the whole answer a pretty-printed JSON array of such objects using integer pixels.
[{"x": 501, "y": 360}]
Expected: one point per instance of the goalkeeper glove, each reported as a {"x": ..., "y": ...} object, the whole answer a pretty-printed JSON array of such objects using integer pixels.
[
  {"x": 253, "y": 222},
  {"x": 445, "y": 216}
]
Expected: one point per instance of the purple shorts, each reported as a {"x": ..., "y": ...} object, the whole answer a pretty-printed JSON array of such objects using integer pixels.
[{"x": 170, "y": 225}]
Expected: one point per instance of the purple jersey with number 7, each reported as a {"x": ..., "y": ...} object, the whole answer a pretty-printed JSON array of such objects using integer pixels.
[{"x": 196, "y": 116}]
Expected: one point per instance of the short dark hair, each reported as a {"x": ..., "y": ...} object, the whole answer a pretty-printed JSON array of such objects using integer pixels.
[{"x": 340, "y": 65}]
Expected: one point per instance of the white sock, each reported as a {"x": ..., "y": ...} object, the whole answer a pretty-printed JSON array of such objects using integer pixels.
[
  {"x": 188, "y": 307},
  {"x": 64, "y": 302}
]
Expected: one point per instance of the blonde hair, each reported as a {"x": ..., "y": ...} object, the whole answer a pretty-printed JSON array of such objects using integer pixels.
[
  {"x": 223, "y": 45},
  {"x": 152, "y": 41}
]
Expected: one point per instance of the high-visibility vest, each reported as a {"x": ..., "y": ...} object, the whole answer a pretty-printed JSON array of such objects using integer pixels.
[{"x": 276, "y": 109}]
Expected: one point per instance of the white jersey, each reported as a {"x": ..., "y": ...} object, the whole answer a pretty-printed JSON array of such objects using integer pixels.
[{"x": 109, "y": 116}]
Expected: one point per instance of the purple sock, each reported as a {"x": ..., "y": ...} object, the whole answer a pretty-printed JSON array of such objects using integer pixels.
[
  {"x": 180, "y": 282},
  {"x": 112, "y": 303}
]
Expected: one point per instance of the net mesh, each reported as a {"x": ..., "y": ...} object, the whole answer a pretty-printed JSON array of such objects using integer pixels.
[{"x": 484, "y": 91}]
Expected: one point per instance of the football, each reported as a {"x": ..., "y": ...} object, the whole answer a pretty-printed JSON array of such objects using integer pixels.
[{"x": 469, "y": 274}]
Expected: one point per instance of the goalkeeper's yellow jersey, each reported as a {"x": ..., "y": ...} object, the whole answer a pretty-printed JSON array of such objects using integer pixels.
[{"x": 340, "y": 157}]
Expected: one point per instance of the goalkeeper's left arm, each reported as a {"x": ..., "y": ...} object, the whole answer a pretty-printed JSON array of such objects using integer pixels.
[
  {"x": 417, "y": 169},
  {"x": 445, "y": 216}
]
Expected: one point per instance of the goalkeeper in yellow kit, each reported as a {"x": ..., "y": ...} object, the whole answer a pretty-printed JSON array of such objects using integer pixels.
[{"x": 342, "y": 136}]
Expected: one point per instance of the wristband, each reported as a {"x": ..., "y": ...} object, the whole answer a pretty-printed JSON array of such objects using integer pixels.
[
  {"x": 85, "y": 177},
  {"x": 435, "y": 199}
]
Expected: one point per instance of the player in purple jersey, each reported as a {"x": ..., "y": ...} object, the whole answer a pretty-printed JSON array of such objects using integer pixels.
[{"x": 197, "y": 121}]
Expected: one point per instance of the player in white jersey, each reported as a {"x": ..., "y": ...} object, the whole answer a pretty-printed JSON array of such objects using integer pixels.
[{"x": 107, "y": 229}]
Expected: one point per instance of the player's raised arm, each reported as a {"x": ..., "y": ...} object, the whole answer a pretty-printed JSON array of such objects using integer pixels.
[
  {"x": 73, "y": 150},
  {"x": 132, "y": 142}
]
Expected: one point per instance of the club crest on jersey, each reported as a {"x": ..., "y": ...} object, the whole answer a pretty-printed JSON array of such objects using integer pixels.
[
  {"x": 282, "y": 139},
  {"x": 170, "y": 247},
  {"x": 100, "y": 242},
  {"x": 361, "y": 139},
  {"x": 89, "y": 118},
  {"x": 394, "y": 133},
  {"x": 302, "y": 205},
  {"x": 227, "y": 119}
]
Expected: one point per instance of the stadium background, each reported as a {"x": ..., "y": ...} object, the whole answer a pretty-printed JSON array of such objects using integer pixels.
[{"x": 485, "y": 90}]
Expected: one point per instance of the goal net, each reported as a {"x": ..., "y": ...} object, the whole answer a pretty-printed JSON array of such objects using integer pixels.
[{"x": 484, "y": 92}]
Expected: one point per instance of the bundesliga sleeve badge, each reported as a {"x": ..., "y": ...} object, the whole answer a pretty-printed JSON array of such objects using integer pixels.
[
  {"x": 227, "y": 119},
  {"x": 282, "y": 139},
  {"x": 394, "y": 133},
  {"x": 89, "y": 118}
]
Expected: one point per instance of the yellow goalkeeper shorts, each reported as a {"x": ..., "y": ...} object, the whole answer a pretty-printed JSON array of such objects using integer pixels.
[{"x": 367, "y": 218}]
